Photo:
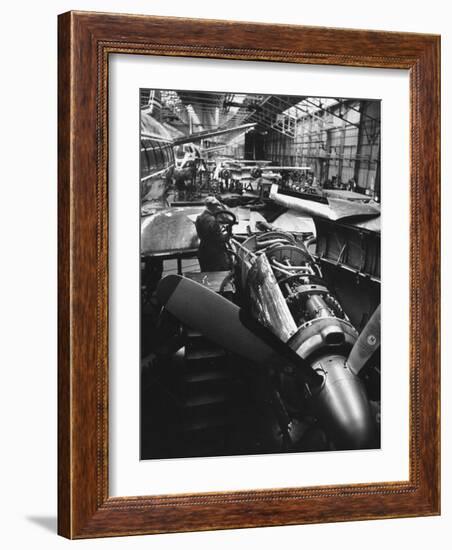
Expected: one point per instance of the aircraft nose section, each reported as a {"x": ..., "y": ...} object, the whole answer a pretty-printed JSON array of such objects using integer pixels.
[{"x": 342, "y": 406}]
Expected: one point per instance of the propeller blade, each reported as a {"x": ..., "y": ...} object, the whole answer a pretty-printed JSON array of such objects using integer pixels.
[
  {"x": 226, "y": 324},
  {"x": 215, "y": 317},
  {"x": 368, "y": 342}
]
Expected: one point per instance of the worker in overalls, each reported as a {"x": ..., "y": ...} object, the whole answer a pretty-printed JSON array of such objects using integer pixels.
[{"x": 212, "y": 253}]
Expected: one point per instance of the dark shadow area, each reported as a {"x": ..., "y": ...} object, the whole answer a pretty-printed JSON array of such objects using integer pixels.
[{"x": 49, "y": 523}]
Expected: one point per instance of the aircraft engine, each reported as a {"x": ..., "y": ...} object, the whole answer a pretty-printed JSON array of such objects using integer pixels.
[{"x": 286, "y": 291}]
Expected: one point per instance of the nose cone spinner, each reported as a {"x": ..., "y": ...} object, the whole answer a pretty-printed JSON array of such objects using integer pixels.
[{"x": 342, "y": 406}]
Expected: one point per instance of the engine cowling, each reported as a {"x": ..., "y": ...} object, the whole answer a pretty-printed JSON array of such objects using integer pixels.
[{"x": 287, "y": 292}]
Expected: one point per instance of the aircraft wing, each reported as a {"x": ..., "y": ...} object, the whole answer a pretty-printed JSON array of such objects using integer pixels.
[
  {"x": 288, "y": 168},
  {"x": 344, "y": 208},
  {"x": 294, "y": 222},
  {"x": 208, "y": 134},
  {"x": 343, "y": 194},
  {"x": 321, "y": 207}
]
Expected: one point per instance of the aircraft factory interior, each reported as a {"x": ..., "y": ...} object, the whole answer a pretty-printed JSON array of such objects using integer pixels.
[{"x": 259, "y": 274}]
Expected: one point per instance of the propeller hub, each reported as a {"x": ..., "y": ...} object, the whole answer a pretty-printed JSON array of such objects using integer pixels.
[{"x": 342, "y": 405}]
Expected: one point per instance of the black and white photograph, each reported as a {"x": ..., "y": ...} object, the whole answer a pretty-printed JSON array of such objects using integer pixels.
[{"x": 260, "y": 273}]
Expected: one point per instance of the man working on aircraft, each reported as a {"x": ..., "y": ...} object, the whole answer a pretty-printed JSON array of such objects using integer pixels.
[{"x": 212, "y": 253}]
